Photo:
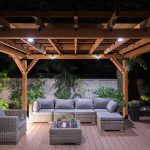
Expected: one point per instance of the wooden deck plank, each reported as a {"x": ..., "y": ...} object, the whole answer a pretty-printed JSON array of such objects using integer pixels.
[{"x": 135, "y": 137}]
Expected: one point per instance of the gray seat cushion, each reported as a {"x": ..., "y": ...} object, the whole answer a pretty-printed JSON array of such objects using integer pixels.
[
  {"x": 46, "y": 103},
  {"x": 64, "y": 111},
  {"x": 64, "y": 104},
  {"x": 85, "y": 111},
  {"x": 100, "y": 110},
  {"x": 36, "y": 106},
  {"x": 100, "y": 102},
  {"x": 21, "y": 123},
  {"x": 2, "y": 114},
  {"x": 44, "y": 112},
  {"x": 83, "y": 104},
  {"x": 112, "y": 106},
  {"x": 107, "y": 116}
]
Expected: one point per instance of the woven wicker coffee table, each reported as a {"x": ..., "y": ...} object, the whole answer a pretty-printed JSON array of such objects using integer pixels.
[{"x": 65, "y": 134}]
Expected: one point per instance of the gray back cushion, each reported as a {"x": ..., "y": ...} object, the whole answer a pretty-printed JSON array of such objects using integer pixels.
[
  {"x": 64, "y": 104},
  {"x": 36, "y": 106},
  {"x": 100, "y": 103},
  {"x": 84, "y": 103},
  {"x": 46, "y": 103},
  {"x": 2, "y": 114},
  {"x": 112, "y": 106}
]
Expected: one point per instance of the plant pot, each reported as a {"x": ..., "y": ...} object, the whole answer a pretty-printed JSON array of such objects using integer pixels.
[{"x": 134, "y": 113}]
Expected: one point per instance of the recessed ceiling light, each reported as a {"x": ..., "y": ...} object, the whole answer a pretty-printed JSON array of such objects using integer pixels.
[
  {"x": 97, "y": 56},
  {"x": 30, "y": 40},
  {"x": 52, "y": 56},
  {"x": 120, "y": 39}
]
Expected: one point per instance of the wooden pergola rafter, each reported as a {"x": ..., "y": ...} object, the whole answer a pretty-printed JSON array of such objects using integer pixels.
[{"x": 74, "y": 40}]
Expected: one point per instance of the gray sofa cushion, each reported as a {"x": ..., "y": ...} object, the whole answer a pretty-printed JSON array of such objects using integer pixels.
[
  {"x": 64, "y": 104},
  {"x": 2, "y": 114},
  {"x": 100, "y": 110},
  {"x": 46, "y": 103},
  {"x": 36, "y": 106},
  {"x": 112, "y": 106},
  {"x": 100, "y": 102},
  {"x": 107, "y": 116},
  {"x": 69, "y": 111},
  {"x": 83, "y": 104},
  {"x": 46, "y": 110},
  {"x": 85, "y": 111}
]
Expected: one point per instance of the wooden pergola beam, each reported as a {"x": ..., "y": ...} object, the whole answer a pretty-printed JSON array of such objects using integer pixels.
[
  {"x": 75, "y": 23},
  {"x": 112, "y": 20},
  {"x": 122, "y": 68},
  {"x": 4, "y": 23},
  {"x": 115, "y": 45},
  {"x": 38, "y": 22},
  {"x": 95, "y": 45},
  {"x": 54, "y": 45},
  {"x": 68, "y": 33},
  {"x": 30, "y": 66},
  {"x": 13, "y": 45},
  {"x": 134, "y": 46},
  {"x": 19, "y": 64},
  {"x": 117, "y": 64},
  {"x": 72, "y": 56},
  {"x": 125, "y": 89},
  {"x": 146, "y": 23},
  {"x": 138, "y": 51},
  {"x": 119, "y": 43},
  {"x": 10, "y": 51},
  {"x": 24, "y": 86},
  {"x": 66, "y": 14},
  {"x": 35, "y": 46},
  {"x": 75, "y": 45}
]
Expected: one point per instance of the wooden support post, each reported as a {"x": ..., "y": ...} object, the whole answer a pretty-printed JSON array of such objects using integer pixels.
[
  {"x": 122, "y": 68},
  {"x": 24, "y": 87},
  {"x": 125, "y": 90}
]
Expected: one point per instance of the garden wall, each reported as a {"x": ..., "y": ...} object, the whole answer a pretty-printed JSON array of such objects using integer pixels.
[{"x": 88, "y": 85}]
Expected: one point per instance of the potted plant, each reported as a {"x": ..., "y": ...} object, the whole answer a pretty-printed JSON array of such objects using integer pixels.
[
  {"x": 145, "y": 108},
  {"x": 134, "y": 110}
]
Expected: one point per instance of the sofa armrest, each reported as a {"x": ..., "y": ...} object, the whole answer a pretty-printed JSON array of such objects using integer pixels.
[
  {"x": 22, "y": 114},
  {"x": 8, "y": 123}
]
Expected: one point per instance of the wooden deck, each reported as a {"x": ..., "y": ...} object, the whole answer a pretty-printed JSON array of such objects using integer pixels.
[{"x": 135, "y": 137}]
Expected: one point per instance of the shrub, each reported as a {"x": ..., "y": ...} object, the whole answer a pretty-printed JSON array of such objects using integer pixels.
[
  {"x": 107, "y": 92},
  {"x": 63, "y": 93},
  {"x": 3, "y": 105}
]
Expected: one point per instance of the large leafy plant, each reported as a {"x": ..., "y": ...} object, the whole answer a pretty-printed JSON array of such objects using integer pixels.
[
  {"x": 63, "y": 93},
  {"x": 65, "y": 79},
  {"x": 3, "y": 80},
  {"x": 35, "y": 90},
  {"x": 3, "y": 105},
  {"x": 107, "y": 92},
  {"x": 136, "y": 61}
]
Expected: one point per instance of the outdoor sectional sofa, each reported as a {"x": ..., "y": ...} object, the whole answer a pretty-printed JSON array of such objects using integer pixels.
[{"x": 100, "y": 110}]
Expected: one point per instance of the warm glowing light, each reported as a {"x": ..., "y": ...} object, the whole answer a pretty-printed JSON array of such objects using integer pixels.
[
  {"x": 31, "y": 40},
  {"x": 97, "y": 56},
  {"x": 53, "y": 56},
  {"x": 120, "y": 39}
]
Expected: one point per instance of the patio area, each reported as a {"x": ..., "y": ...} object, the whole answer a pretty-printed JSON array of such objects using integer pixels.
[
  {"x": 135, "y": 137},
  {"x": 52, "y": 45}
]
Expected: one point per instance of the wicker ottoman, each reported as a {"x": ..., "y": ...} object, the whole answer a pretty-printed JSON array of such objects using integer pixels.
[
  {"x": 110, "y": 121},
  {"x": 65, "y": 135}
]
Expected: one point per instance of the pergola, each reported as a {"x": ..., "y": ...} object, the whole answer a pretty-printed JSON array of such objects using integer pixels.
[{"x": 74, "y": 38}]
